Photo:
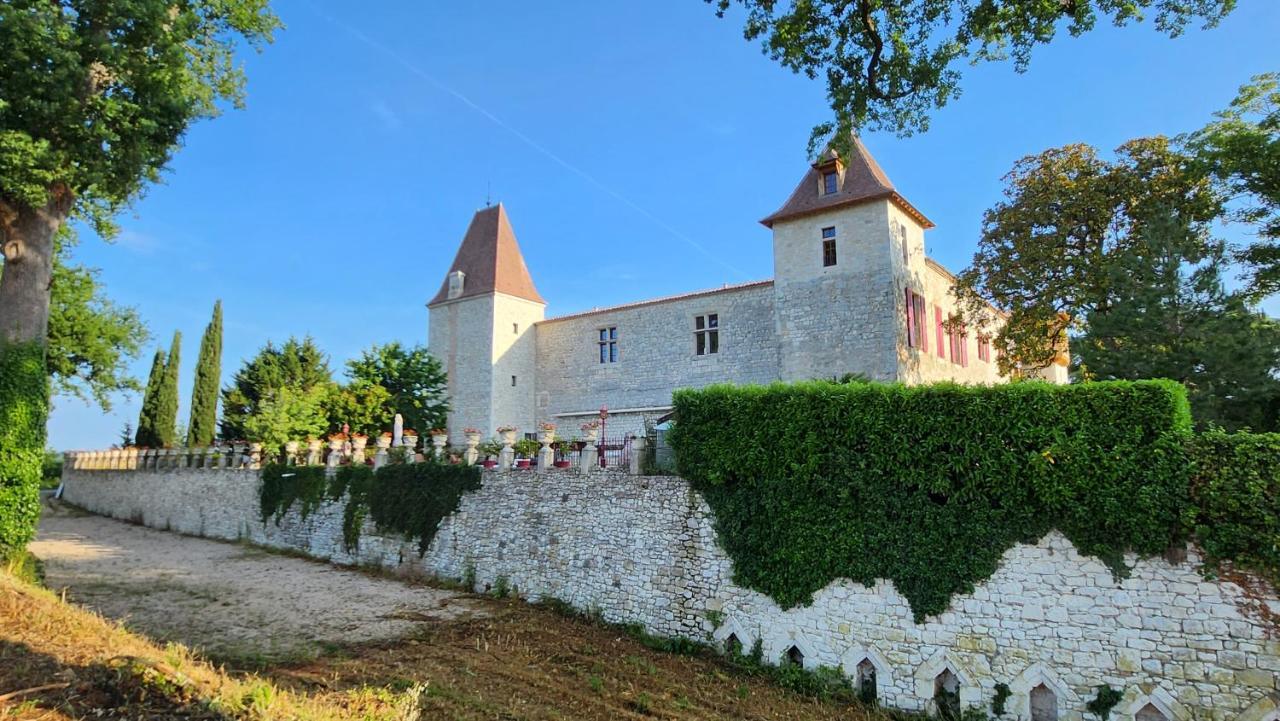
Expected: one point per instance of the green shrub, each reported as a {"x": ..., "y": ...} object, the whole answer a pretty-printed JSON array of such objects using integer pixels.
[
  {"x": 24, "y": 410},
  {"x": 51, "y": 469},
  {"x": 413, "y": 498},
  {"x": 928, "y": 486},
  {"x": 1235, "y": 488},
  {"x": 283, "y": 485}
]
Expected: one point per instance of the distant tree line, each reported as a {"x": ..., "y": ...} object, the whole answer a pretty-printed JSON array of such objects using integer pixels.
[{"x": 288, "y": 392}]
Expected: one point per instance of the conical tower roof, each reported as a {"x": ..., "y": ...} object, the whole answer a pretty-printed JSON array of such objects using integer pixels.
[
  {"x": 864, "y": 181},
  {"x": 491, "y": 259}
]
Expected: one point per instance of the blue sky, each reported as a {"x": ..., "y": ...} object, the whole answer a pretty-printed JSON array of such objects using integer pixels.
[{"x": 635, "y": 145}]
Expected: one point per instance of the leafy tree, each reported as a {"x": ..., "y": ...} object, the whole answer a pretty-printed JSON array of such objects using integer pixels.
[
  {"x": 1048, "y": 251},
  {"x": 298, "y": 365},
  {"x": 889, "y": 63},
  {"x": 166, "y": 418},
  {"x": 204, "y": 395},
  {"x": 94, "y": 98},
  {"x": 287, "y": 414},
  {"x": 1171, "y": 318},
  {"x": 361, "y": 405},
  {"x": 414, "y": 380},
  {"x": 147, "y": 436},
  {"x": 126, "y": 435},
  {"x": 1241, "y": 149},
  {"x": 91, "y": 340}
]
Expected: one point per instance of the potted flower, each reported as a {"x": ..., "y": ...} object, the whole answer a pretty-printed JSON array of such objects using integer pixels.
[
  {"x": 526, "y": 449},
  {"x": 439, "y": 437},
  {"x": 472, "y": 434},
  {"x": 490, "y": 450},
  {"x": 565, "y": 448}
]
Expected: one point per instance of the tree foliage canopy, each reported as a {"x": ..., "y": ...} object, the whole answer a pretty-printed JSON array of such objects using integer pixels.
[
  {"x": 95, "y": 96},
  {"x": 890, "y": 63},
  {"x": 298, "y": 365},
  {"x": 1241, "y": 149},
  {"x": 414, "y": 381},
  {"x": 1048, "y": 250}
]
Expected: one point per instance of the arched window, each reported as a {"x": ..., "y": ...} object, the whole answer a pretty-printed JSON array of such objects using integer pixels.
[
  {"x": 733, "y": 645},
  {"x": 1150, "y": 713},
  {"x": 946, "y": 695},
  {"x": 1044, "y": 704},
  {"x": 866, "y": 680},
  {"x": 794, "y": 656}
]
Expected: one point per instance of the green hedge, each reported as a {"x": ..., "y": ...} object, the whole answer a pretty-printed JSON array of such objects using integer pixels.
[
  {"x": 929, "y": 486},
  {"x": 1235, "y": 489},
  {"x": 24, "y": 410},
  {"x": 408, "y": 499}
]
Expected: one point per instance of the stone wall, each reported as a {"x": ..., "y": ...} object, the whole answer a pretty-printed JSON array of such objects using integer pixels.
[{"x": 1049, "y": 623}]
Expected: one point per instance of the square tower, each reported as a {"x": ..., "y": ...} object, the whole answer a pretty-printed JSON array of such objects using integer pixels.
[
  {"x": 840, "y": 268},
  {"x": 482, "y": 329}
]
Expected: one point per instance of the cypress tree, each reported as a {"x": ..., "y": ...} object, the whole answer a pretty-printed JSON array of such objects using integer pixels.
[
  {"x": 167, "y": 398},
  {"x": 146, "y": 434},
  {"x": 204, "y": 395}
]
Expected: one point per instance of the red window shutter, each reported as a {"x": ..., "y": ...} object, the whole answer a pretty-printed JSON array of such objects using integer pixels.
[
  {"x": 937, "y": 319},
  {"x": 964, "y": 348},
  {"x": 911, "y": 319},
  {"x": 922, "y": 315}
]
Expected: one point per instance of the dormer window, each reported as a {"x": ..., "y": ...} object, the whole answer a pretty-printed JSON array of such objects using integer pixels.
[
  {"x": 456, "y": 281},
  {"x": 830, "y": 182}
]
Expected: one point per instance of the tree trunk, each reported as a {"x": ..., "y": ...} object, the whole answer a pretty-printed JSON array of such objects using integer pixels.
[{"x": 26, "y": 235}]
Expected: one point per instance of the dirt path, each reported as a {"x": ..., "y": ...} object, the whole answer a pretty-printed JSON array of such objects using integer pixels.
[{"x": 235, "y": 602}]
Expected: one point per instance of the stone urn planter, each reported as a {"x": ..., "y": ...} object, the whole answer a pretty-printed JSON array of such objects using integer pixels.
[
  {"x": 291, "y": 452},
  {"x": 439, "y": 439},
  {"x": 547, "y": 434},
  {"x": 473, "y": 440},
  {"x": 508, "y": 435},
  {"x": 591, "y": 432}
]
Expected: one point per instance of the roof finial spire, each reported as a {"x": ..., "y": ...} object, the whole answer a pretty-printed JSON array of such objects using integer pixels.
[{"x": 487, "y": 192}]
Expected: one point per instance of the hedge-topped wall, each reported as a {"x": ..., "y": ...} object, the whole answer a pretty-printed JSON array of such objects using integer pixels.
[{"x": 929, "y": 485}]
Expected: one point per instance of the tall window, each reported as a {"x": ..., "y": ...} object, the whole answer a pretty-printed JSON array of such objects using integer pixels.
[
  {"x": 828, "y": 247},
  {"x": 830, "y": 182},
  {"x": 706, "y": 333},
  {"x": 984, "y": 348},
  {"x": 917, "y": 316},
  {"x": 609, "y": 345}
]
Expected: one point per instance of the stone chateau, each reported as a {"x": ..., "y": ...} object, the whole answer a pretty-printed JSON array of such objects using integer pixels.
[{"x": 852, "y": 292}]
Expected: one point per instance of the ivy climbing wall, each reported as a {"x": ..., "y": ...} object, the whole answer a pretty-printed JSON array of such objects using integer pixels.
[{"x": 1050, "y": 625}]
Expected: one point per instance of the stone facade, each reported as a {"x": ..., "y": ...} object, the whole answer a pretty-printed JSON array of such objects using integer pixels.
[
  {"x": 1051, "y": 624},
  {"x": 573, "y": 383},
  {"x": 816, "y": 319}
]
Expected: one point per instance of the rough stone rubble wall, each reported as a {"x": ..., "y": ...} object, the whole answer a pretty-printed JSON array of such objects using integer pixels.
[{"x": 643, "y": 549}]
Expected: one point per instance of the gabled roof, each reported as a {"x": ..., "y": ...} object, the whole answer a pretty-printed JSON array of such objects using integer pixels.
[
  {"x": 864, "y": 182},
  {"x": 491, "y": 259}
]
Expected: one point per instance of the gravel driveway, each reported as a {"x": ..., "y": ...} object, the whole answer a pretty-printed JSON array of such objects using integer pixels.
[{"x": 239, "y": 604}]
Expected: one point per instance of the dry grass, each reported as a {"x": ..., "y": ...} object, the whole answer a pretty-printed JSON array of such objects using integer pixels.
[
  {"x": 60, "y": 662},
  {"x": 527, "y": 662}
]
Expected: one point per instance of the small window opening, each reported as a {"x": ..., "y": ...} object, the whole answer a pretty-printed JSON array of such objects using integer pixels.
[
  {"x": 866, "y": 679},
  {"x": 946, "y": 695},
  {"x": 515, "y": 328},
  {"x": 1150, "y": 713},
  {"x": 608, "y": 344},
  {"x": 733, "y": 645},
  {"x": 513, "y": 381},
  {"x": 794, "y": 657},
  {"x": 706, "y": 334},
  {"x": 830, "y": 182},
  {"x": 1044, "y": 704},
  {"x": 828, "y": 247}
]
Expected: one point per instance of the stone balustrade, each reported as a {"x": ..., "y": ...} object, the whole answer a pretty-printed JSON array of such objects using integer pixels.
[{"x": 340, "y": 450}]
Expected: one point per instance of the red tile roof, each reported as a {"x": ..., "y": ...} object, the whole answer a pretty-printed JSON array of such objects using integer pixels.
[
  {"x": 491, "y": 259},
  {"x": 727, "y": 288},
  {"x": 864, "y": 182}
]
